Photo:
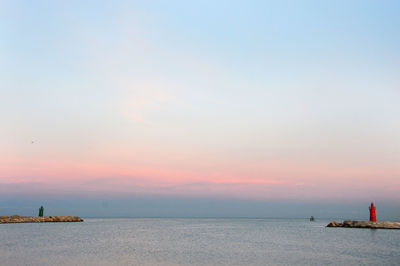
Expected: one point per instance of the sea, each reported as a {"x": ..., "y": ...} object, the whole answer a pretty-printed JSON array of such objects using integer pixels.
[{"x": 195, "y": 241}]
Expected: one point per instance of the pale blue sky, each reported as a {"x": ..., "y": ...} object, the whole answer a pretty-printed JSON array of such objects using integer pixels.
[{"x": 228, "y": 99}]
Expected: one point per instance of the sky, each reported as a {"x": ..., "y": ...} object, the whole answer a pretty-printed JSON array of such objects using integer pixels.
[{"x": 241, "y": 103}]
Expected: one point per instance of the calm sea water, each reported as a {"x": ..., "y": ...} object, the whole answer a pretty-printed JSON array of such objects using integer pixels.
[{"x": 195, "y": 242}]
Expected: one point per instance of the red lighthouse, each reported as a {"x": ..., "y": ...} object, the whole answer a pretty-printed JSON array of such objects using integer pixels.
[{"x": 372, "y": 214}]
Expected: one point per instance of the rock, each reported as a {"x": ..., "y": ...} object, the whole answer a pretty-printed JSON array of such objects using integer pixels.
[
  {"x": 332, "y": 224},
  {"x": 29, "y": 219},
  {"x": 365, "y": 224}
]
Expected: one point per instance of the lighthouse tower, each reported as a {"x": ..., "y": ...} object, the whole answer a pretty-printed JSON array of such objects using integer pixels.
[{"x": 372, "y": 214}]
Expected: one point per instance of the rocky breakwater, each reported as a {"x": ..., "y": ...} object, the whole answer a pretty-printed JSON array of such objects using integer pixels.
[
  {"x": 366, "y": 224},
  {"x": 45, "y": 219}
]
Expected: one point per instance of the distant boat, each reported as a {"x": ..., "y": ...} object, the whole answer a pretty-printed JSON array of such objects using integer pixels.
[{"x": 312, "y": 219}]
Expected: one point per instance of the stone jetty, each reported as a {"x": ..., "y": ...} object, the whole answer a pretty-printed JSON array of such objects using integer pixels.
[
  {"x": 365, "y": 224},
  {"x": 44, "y": 219}
]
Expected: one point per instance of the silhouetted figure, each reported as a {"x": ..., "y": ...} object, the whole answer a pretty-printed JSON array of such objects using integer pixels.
[
  {"x": 312, "y": 219},
  {"x": 41, "y": 209}
]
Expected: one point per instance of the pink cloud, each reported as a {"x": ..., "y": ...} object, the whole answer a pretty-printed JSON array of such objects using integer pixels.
[{"x": 240, "y": 182}]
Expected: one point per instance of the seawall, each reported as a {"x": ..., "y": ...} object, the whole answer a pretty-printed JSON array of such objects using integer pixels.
[
  {"x": 44, "y": 219},
  {"x": 366, "y": 224}
]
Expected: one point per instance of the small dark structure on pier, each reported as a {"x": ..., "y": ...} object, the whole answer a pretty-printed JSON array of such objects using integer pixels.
[
  {"x": 41, "y": 210},
  {"x": 312, "y": 219}
]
